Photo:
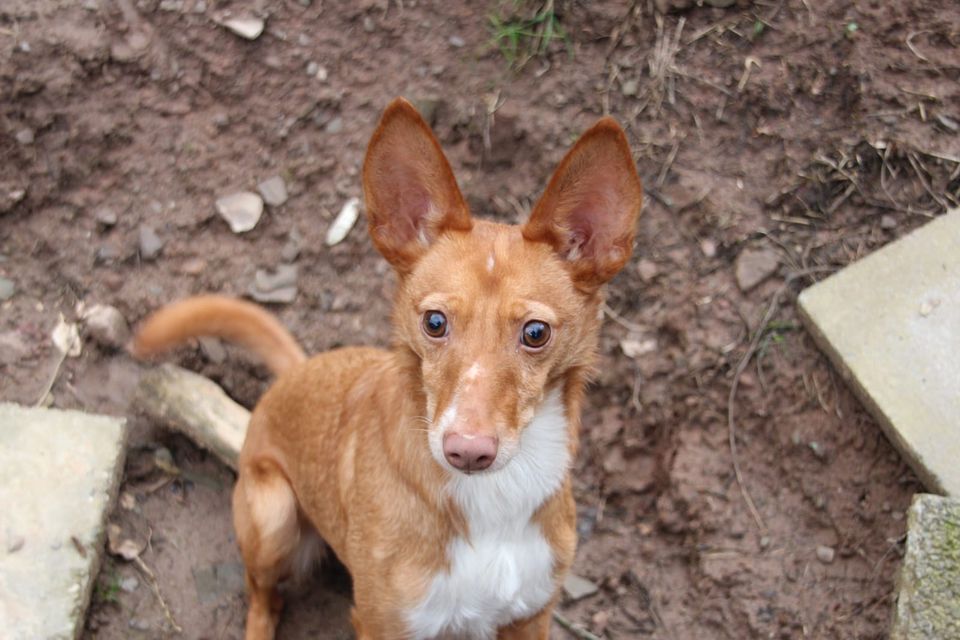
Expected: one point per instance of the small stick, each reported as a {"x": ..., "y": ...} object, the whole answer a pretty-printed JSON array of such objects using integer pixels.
[
  {"x": 575, "y": 630},
  {"x": 156, "y": 591}
]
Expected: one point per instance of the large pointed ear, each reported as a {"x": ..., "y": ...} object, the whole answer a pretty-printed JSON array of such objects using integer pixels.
[
  {"x": 409, "y": 188},
  {"x": 588, "y": 212}
]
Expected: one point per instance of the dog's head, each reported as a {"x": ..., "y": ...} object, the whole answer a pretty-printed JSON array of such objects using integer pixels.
[{"x": 497, "y": 315}]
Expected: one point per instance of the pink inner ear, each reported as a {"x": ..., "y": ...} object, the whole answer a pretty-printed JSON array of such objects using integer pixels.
[{"x": 593, "y": 221}]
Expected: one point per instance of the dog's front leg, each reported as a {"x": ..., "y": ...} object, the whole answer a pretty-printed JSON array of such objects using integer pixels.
[{"x": 536, "y": 627}]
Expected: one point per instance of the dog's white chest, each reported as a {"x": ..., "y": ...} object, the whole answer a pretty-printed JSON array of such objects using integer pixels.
[
  {"x": 504, "y": 572},
  {"x": 493, "y": 581}
]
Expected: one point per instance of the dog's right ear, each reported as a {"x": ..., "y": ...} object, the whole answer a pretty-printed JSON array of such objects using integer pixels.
[{"x": 410, "y": 192}]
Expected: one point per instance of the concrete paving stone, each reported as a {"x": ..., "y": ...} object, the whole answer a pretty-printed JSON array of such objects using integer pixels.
[
  {"x": 928, "y": 601},
  {"x": 59, "y": 473},
  {"x": 891, "y": 324}
]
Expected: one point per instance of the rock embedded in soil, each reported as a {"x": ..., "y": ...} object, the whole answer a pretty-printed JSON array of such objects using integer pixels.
[
  {"x": 344, "y": 222},
  {"x": 826, "y": 554},
  {"x": 889, "y": 324},
  {"x": 150, "y": 243},
  {"x": 7, "y": 289},
  {"x": 107, "y": 326},
  {"x": 577, "y": 588},
  {"x": 241, "y": 210},
  {"x": 248, "y": 28},
  {"x": 105, "y": 217},
  {"x": 753, "y": 266},
  {"x": 280, "y": 286},
  {"x": 928, "y": 602},
  {"x": 273, "y": 190},
  {"x": 59, "y": 473}
]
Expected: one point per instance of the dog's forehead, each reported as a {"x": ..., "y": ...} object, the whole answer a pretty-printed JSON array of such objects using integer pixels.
[{"x": 494, "y": 260}]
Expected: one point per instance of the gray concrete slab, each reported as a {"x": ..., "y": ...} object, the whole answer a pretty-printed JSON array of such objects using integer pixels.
[
  {"x": 928, "y": 602},
  {"x": 59, "y": 473},
  {"x": 891, "y": 324}
]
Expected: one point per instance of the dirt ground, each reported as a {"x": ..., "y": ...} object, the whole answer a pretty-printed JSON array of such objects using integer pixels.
[{"x": 802, "y": 134}]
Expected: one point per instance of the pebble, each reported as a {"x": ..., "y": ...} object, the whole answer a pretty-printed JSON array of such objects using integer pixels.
[
  {"x": 248, "y": 28},
  {"x": 291, "y": 250},
  {"x": 457, "y": 41},
  {"x": 105, "y": 217},
  {"x": 335, "y": 125},
  {"x": 139, "y": 624},
  {"x": 25, "y": 136},
  {"x": 129, "y": 584},
  {"x": 368, "y": 24},
  {"x": 629, "y": 88},
  {"x": 280, "y": 286},
  {"x": 648, "y": 270},
  {"x": 343, "y": 222},
  {"x": 825, "y": 554},
  {"x": 273, "y": 190},
  {"x": 577, "y": 588},
  {"x": 312, "y": 68},
  {"x": 708, "y": 247},
  {"x": 7, "y": 289},
  {"x": 888, "y": 222},
  {"x": 753, "y": 266},
  {"x": 193, "y": 266},
  {"x": 241, "y": 210},
  {"x": 107, "y": 326},
  {"x": 150, "y": 243}
]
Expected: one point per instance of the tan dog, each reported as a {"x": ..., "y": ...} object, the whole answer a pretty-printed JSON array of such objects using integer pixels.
[{"x": 437, "y": 471}]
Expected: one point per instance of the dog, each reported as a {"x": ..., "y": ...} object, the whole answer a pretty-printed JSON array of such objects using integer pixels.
[{"x": 437, "y": 471}]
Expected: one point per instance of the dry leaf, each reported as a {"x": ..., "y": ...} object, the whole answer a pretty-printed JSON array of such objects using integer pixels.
[{"x": 66, "y": 337}]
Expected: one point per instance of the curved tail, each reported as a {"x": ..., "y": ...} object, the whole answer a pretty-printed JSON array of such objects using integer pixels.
[{"x": 234, "y": 320}]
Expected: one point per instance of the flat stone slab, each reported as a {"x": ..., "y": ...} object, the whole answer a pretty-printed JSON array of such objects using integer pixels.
[
  {"x": 59, "y": 473},
  {"x": 891, "y": 324},
  {"x": 928, "y": 604}
]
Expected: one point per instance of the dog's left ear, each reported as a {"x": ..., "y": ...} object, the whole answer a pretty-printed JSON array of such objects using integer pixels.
[
  {"x": 588, "y": 212},
  {"x": 409, "y": 188}
]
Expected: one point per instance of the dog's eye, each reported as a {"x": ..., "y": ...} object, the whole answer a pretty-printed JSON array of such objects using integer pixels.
[
  {"x": 535, "y": 334},
  {"x": 434, "y": 324}
]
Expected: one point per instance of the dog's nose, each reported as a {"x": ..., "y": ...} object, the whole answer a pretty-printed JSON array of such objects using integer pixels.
[{"x": 469, "y": 453}]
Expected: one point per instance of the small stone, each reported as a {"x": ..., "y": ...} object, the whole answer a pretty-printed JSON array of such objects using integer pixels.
[
  {"x": 708, "y": 247},
  {"x": 764, "y": 542},
  {"x": 241, "y": 210},
  {"x": 312, "y": 68},
  {"x": 193, "y": 266},
  {"x": 818, "y": 450},
  {"x": 335, "y": 125},
  {"x": 291, "y": 250},
  {"x": 248, "y": 28},
  {"x": 578, "y": 588},
  {"x": 368, "y": 24},
  {"x": 213, "y": 349},
  {"x": 273, "y": 190},
  {"x": 200, "y": 6},
  {"x": 105, "y": 217},
  {"x": 456, "y": 42},
  {"x": 129, "y": 584},
  {"x": 753, "y": 266},
  {"x": 343, "y": 222},
  {"x": 322, "y": 74},
  {"x": 826, "y": 554},
  {"x": 888, "y": 222},
  {"x": 629, "y": 87},
  {"x": 648, "y": 270},
  {"x": 107, "y": 326},
  {"x": 150, "y": 243},
  {"x": 280, "y": 286},
  {"x": 7, "y": 289},
  {"x": 221, "y": 120},
  {"x": 139, "y": 624},
  {"x": 25, "y": 136}
]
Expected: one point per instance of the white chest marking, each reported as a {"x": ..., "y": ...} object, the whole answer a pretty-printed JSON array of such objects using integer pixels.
[{"x": 504, "y": 571}]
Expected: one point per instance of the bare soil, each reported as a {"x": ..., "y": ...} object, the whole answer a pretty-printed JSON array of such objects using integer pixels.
[{"x": 809, "y": 132}]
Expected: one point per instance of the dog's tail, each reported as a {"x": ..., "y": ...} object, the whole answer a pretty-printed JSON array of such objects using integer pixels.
[{"x": 234, "y": 320}]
